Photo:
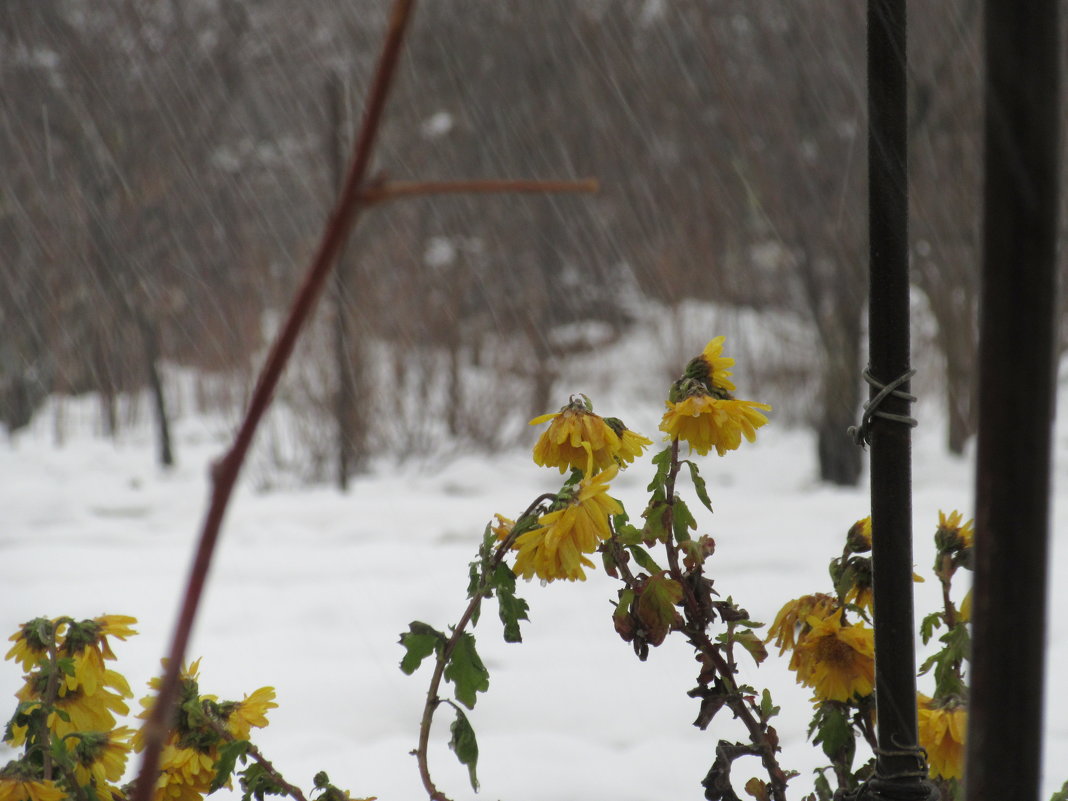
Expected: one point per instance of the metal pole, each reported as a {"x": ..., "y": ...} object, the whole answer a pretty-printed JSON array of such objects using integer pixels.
[
  {"x": 1016, "y": 394},
  {"x": 900, "y": 767}
]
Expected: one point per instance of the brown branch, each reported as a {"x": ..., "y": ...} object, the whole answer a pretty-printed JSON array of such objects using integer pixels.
[
  {"x": 391, "y": 190},
  {"x": 225, "y": 472}
]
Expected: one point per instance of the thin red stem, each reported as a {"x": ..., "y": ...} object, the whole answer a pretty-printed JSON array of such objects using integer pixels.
[{"x": 226, "y": 471}]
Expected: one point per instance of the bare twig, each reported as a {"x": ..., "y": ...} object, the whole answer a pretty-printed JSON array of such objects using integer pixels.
[
  {"x": 391, "y": 190},
  {"x": 225, "y": 473}
]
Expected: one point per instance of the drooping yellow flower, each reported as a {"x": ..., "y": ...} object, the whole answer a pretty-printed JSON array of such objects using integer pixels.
[
  {"x": 705, "y": 422},
  {"x": 501, "y": 527},
  {"x": 859, "y": 536},
  {"x": 251, "y": 712},
  {"x": 631, "y": 443},
  {"x": 836, "y": 661},
  {"x": 951, "y": 534},
  {"x": 100, "y": 758},
  {"x": 942, "y": 731},
  {"x": 577, "y": 439},
  {"x": 793, "y": 618},
  {"x": 16, "y": 788},
  {"x": 555, "y": 550},
  {"x": 31, "y": 642},
  {"x": 711, "y": 367}
]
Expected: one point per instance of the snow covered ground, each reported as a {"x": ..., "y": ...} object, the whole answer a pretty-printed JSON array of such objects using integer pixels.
[{"x": 311, "y": 588}]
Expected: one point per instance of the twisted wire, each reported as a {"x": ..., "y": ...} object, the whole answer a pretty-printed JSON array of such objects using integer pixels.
[{"x": 862, "y": 434}]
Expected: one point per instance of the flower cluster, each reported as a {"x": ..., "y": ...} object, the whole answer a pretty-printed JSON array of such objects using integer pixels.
[
  {"x": 701, "y": 410},
  {"x": 943, "y": 718},
  {"x": 833, "y": 656},
  {"x": 69, "y": 696},
  {"x": 73, "y": 748},
  {"x": 578, "y": 439},
  {"x": 201, "y": 727}
]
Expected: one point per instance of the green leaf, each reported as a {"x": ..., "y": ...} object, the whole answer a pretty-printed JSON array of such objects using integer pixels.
[
  {"x": 699, "y": 485},
  {"x": 225, "y": 763},
  {"x": 256, "y": 782},
  {"x": 464, "y": 744},
  {"x": 466, "y": 671},
  {"x": 682, "y": 521},
  {"x": 748, "y": 639},
  {"x": 835, "y": 734},
  {"x": 768, "y": 710},
  {"x": 622, "y": 618},
  {"x": 643, "y": 558},
  {"x": 928, "y": 626},
  {"x": 511, "y": 608},
  {"x": 1060, "y": 795},
  {"x": 655, "y": 515},
  {"x": 662, "y": 461},
  {"x": 626, "y": 533},
  {"x": 420, "y": 641}
]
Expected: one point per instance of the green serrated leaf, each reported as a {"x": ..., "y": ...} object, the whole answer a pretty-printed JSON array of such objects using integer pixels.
[
  {"x": 420, "y": 641},
  {"x": 626, "y": 533},
  {"x": 226, "y": 762},
  {"x": 511, "y": 608},
  {"x": 464, "y": 745},
  {"x": 699, "y": 485},
  {"x": 928, "y": 626},
  {"x": 768, "y": 710},
  {"x": 835, "y": 734},
  {"x": 749, "y": 640},
  {"x": 682, "y": 521},
  {"x": 662, "y": 460},
  {"x": 644, "y": 558},
  {"x": 466, "y": 671}
]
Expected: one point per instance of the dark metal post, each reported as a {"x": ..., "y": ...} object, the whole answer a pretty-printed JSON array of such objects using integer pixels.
[
  {"x": 1016, "y": 394},
  {"x": 900, "y": 768}
]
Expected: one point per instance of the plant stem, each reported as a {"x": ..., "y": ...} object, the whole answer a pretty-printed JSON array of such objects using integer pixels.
[
  {"x": 432, "y": 699},
  {"x": 292, "y": 790},
  {"x": 696, "y": 623}
]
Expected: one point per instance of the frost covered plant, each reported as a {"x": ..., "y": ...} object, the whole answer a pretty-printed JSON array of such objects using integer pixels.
[
  {"x": 73, "y": 748},
  {"x": 555, "y": 538}
]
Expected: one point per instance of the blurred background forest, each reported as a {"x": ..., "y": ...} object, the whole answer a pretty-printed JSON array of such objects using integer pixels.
[{"x": 166, "y": 167}]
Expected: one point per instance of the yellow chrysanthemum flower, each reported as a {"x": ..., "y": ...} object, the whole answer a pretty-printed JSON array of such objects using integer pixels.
[
  {"x": 100, "y": 758},
  {"x": 251, "y": 712},
  {"x": 631, "y": 445},
  {"x": 501, "y": 526},
  {"x": 555, "y": 550},
  {"x": 794, "y": 616},
  {"x": 951, "y": 534},
  {"x": 942, "y": 731},
  {"x": 836, "y": 661},
  {"x": 712, "y": 366},
  {"x": 859, "y": 535},
  {"x": 705, "y": 422},
  {"x": 15, "y": 788},
  {"x": 31, "y": 642},
  {"x": 577, "y": 439}
]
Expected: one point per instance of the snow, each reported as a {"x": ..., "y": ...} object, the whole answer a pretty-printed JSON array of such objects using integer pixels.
[{"x": 310, "y": 590}]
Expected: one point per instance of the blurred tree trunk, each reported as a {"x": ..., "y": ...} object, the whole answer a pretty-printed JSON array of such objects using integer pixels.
[
  {"x": 150, "y": 342},
  {"x": 840, "y": 459}
]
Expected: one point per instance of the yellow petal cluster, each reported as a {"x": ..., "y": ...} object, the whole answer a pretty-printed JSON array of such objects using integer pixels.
[
  {"x": 17, "y": 789},
  {"x": 556, "y": 549},
  {"x": 717, "y": 365},
  {"x": 952, "y": 533},
  {"x": 792, "y": 619},
  {"x": 252, "y": 712},
  {"x": 705, "y": 422},
  {"x": 578, "y": 439},
  {"x": 837, "y": 661},
  {"x": 942, "y": 731}
]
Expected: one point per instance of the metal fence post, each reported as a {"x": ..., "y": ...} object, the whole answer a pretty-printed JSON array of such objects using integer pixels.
[
  {"x": 901, "y": 769},
  {"x": 1017, "y": 383}
]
